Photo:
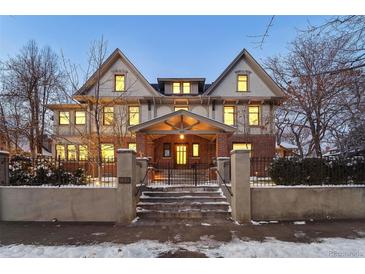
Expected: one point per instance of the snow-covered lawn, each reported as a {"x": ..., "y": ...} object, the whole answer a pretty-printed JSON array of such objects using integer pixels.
[{"x": 329, "y": 247}]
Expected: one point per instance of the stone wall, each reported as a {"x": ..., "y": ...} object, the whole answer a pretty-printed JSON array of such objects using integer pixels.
[{"x": 304, "y": 203}]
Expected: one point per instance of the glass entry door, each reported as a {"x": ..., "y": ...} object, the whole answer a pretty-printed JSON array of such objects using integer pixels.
[{"x": 181, "y": 151}]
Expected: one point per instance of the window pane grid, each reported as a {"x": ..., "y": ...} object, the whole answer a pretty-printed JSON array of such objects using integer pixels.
[
  {"x": 253, "y": 115},
  {"x": 80, "y": 117},
  {"x": 133, "y": 116},
  {"x": 176, "y": 88},
  {"x": 64, "y": 118},
  {"x": 186, "y": 88},
  {"x": 107, "y": 152},
  {"x": 108, "y": 116},
  {"x": 195, "y": 150},
  {"x": 229, "y": 116},
  {"x": 71, "y": 152},
  {"x": 119, "y": 83},
  {"x": 242, "y": 83},
  {"x": 60, "y": 152},
  {"x": 83, "y": 152}
]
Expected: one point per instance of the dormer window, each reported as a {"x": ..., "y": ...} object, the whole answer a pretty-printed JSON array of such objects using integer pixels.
[
  {"x": 242, "y": 82},
  {"x": 176, "y": 88},
  {"x": 119, "y": 83},
  {"x": 181, "y": 88},
  {"x": 186, "y": 88}
]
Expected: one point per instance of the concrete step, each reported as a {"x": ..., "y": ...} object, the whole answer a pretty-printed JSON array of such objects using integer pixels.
[
  {"x": 181, "y": 193},
  {"x": 186, "y": 199},
  {"x": 189, "y": 214},
  {"x": 184, "y": 188},
  {"x": 178, "y": 206}
]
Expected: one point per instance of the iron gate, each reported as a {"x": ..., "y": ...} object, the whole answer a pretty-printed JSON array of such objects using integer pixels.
[{"x": 193, "y": 174}]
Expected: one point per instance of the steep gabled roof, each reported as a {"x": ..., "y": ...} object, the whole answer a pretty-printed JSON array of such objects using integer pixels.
[
  {"x": 255, "y": 66},
  {"x": 117, "y": 54}
]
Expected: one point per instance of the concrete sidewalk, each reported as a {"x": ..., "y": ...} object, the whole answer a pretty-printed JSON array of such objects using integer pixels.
[{"x": 93, "y": 233}]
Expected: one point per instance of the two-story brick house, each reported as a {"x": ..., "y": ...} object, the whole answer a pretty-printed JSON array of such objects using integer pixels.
[{"x": 178, "y": 120}]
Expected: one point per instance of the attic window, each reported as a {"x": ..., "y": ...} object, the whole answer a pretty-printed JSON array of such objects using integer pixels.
[
  {"x": 119, "y": 83},
  {"x": 186, "y": 88},
  {"x": 242, "y": 82},
  {"x": 176, "y": 88}
]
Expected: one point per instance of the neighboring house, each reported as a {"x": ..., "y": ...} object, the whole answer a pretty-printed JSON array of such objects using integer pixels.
[
  {"x": 177, "y": 120},
  {"x": 286, "y": 149}
]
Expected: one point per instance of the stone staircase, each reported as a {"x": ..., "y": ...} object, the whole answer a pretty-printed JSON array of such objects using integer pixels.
[{"x": 202, "y": 203}]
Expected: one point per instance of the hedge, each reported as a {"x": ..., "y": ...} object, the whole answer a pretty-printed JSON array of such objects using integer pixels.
[{"x": 318, "y": 171}]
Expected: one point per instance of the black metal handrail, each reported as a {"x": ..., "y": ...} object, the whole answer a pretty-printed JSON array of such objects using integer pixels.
[
  {"x": 141, "y": 183},
  {"x": 223, "y": 180}
]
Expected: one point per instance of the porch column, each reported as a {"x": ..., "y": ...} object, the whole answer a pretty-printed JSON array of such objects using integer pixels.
[
  {"x": 222, "y": 145},
  {"x": 240, "y": 182},
  {"x": 126, "y": 173}
]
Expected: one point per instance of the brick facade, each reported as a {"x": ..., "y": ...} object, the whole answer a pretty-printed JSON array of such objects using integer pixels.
[{"x": 262, "y": 145}]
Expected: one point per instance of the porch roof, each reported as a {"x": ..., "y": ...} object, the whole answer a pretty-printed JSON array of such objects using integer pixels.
[{"x": 182, "y": 122}]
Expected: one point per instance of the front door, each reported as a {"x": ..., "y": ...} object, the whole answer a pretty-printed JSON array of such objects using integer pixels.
[{"x": 181, "y": 154}]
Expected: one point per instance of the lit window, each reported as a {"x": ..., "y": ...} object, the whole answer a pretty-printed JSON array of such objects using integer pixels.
[
  {"x": 133, "y": 115},
  {"x": 176, "y": 88},
  {"x": 253, "y": 115},
  {"x": 229, "y": 115},
  {"x": 108, "y": 116},
  {"x": 186, "y": 88},
  {"x": 195, "y": 150},
  {"x": 132, "y": 146},
  {"x": 107, "y": 152},
  {"x": 119, "y": 83},
  {"x": 83, "y": 152},
  {"x": 60, "y": 152},
  {"x": 182, "y": 107},
  {"x": 71, "y": 152},
  {"x": 64, "y": 118},
  {"x": 166, "y": 150},
  {"x": 242, "y": 146},
  {"x": 80, "y": 117},
  {"x": 242, "y": 83}
]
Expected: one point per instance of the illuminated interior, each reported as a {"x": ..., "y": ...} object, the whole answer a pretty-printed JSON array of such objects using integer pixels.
[
  {"x": 181, "y": 154},
  {"x": 64, "y": 118},
  {"x": 108, "y": 115},
  {"x": 132, "y": 146},
  {"x": 107, "y": 152},
  {"x": 119, "y": 83},
  {"x": 186, "y": 88},
  {"x": 60, "y": 152},
  {"x": 229, "y": 115},
  {"x": 242, "y": 83},
  {"x": 195, "y": 150},
  {"x": 71, "y": 152},
  {"x": 133, "y": 116},
  {"x": 83, "y": 152},
  {"x": 176, "y": 88},
  {"x": 80, "y": 117},
  {"x": 253, "y": 115}
]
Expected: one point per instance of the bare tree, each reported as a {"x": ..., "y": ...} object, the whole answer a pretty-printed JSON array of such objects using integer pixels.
[
  {"x": 31, "y": 80},
  {"x": 316, "y": 102}
]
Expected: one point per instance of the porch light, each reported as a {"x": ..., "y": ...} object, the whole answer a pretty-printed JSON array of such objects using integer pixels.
[{"x": 182, "y": 136}]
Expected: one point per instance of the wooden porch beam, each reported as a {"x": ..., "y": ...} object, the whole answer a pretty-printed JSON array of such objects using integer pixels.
[{"x": 194, "y": 132}]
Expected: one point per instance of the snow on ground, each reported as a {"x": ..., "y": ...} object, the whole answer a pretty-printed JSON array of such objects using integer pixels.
[{"x": 328, "y": 247}]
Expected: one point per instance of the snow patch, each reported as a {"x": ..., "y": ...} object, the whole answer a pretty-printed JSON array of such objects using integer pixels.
[{"x": 299, "y": 222}]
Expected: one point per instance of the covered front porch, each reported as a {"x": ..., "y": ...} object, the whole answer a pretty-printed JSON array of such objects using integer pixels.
[{"x": 182, "y": 139}]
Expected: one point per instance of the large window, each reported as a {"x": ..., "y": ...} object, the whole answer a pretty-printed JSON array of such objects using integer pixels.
[
  {"x": 119, "y": 83},
  {"x": 229, "y": 115},
  {"x": 243, "y": 146},
  {"x": 176, "y": 87},
  {"x": 176, "y": 108},
  {"x": 71, "y": 152},
  {"x": 242, "y": 82},
  {"x": 166, "y": 150},
  {"x": 60, "y": 152},
  {"x": 107, "y": 152},
  {"x": 80, "y": 117},
  {"x": 83, "y": 153},
  {"x": 133, "y": 115},
  {"x": 186, "y": 88},
  {"x": 196, "y": 152},
  {"x": 253, "y": 115},
  {"x": 64, "y": 118},
  {"x": 108, "y": 116},
  {"x": 132, "y": 146}
]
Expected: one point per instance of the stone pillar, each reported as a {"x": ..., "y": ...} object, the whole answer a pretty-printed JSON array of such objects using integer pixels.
[
  {"x": 221, "y": 167},
  {"x": 240, "y": 182},
  {"x": 126, "y": 190},
  {"x": 4, "y": 168},
  {"x": 222, "y": 145}
]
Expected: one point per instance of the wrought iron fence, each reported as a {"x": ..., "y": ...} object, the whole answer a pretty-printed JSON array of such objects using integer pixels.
[
  {"x": 190, "y": 174},
  {"x": 259, "y": 171},
  {"x": 50, "y": 171}
]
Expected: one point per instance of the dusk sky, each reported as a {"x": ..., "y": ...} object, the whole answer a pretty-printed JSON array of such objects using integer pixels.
[{"x": 159, "y": 46}]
